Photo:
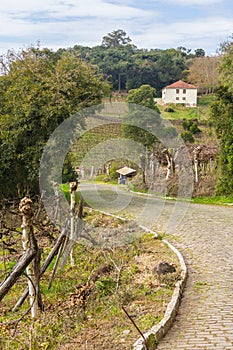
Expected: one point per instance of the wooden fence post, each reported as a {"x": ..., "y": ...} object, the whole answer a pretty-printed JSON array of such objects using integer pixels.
[
  {"x": 73, "y": 188},
  {"x": 29, "y": 242}
]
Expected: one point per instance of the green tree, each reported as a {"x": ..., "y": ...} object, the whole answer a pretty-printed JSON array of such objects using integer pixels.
[
  {"x": 116, "y": 38},
  {"x": 191, "y": 126},
  {"x": 143, "y": 96},
  {"x": 170, "y": 66},
  {"x": 114, "y": 62},
  {"x": 39, "y": 90},
  {"x": 222, "y": 116},
  {"x": 143, "y": 123},
  {"x": 143, "y": 118},
  {"x": 199, "y": 53},
  {"x": 129, "y": 67}
]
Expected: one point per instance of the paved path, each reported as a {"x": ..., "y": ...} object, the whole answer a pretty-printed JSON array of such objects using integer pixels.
[
  {"x": 205, "y": 238},
  {"x": 205, "y": 318}
]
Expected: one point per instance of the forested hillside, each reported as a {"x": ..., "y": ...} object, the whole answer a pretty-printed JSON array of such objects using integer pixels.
[{"x": 128, "y": 67}]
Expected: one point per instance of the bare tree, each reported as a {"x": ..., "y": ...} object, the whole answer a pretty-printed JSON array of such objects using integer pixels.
[{"x": 203, "y": 72}]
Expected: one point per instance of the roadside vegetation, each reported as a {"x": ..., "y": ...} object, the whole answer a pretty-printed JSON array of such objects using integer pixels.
[
  {"x": 83, "y": 307},
  {"x": 218, "y": 200}
]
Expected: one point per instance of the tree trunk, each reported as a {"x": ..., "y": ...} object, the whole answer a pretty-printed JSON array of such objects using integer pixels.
[
  {"x": 119, "y": 82},
  {"x": 196, "y": 169},
  {"x": 195, "y": 160},
  {"x": 170, "y": 163},
  {"x": 143, "y": 166}
]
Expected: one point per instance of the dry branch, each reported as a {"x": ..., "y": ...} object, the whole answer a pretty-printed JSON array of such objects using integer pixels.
[
  {"x": 44, "y": 267},
  {"x": 139, "y": 331},
  {"x": 16, "y": 272}
]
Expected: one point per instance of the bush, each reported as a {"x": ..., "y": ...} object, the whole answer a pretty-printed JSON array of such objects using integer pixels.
[
  {"x": 187, "y": 136},
  {"x": 68, "y": 172},
  {"x": 194, "y": 129},
  {"x": 191, "y": 126},
  {"x": 185, "y": 124},
  {"x": 113, "y": 175},
  {"x": 169, "y": 109}
]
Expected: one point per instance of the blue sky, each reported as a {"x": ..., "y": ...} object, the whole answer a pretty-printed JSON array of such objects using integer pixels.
[{"x": 149, "y": 23}]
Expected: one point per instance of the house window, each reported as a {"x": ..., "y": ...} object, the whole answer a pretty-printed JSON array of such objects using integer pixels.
[
  {"x": 184, "y": 91},
  {"x": 177, "y": 98},
  {"x": 177, "y": 91},
  {"x": 184, "y": 98}
]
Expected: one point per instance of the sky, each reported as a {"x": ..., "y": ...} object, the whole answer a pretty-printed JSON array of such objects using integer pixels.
[{"x": 151, "y": 24}]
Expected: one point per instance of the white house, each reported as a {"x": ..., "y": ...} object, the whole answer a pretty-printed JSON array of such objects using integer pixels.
[{"x": 180, "y": 92}]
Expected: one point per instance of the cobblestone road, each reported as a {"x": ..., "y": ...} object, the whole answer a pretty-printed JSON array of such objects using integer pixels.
[
  {"x": 205, "y": 238},
  {"x": 205, "y": 318}
]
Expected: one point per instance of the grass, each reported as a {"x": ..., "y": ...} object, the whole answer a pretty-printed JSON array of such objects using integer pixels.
[
  {"x": 205, "y": 100},
  {"x": 219, "y": 200},
  {"x": 66, "y": 190},
  {"x": 105, "y": 179},
  {"x": 180, "y": 112},
  {"x": 216, "y": 200},
  {"x": 201, "y": 112}
]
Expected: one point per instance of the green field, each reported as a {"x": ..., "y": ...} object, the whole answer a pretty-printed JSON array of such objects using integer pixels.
[{"x": 201, "y": 112}]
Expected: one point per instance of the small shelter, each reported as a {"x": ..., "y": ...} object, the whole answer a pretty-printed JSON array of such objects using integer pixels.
[
  {"x": 180, "y": 92},
  {"x": 124, "y": 173}
]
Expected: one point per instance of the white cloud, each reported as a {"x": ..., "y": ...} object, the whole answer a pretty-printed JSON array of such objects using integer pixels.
[
  {"x": 195, "y": 2},
  {"x": 68, "y": 22},
  {"x": 200, "y": 33},
  {"x": 61, "y": 9},
  {"x": 65, "y": 22}
]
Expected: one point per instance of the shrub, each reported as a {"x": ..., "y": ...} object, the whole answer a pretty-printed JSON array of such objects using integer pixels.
[
  {"x": 194, "y": 129},
  {"x": 191, "y": 126},
  {"x": 169, "y": 109},
  {"x": 187, "y": 136},
  {"x": 113, "y": 175}
]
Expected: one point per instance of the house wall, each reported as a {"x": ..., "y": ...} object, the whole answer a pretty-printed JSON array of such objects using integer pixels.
[{"x": 186, "y": 96}]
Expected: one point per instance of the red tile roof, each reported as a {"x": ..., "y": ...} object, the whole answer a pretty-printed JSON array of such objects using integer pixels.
[{"x": 180, "y": 85}]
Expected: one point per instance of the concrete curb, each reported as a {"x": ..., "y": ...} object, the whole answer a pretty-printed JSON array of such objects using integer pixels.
[{"x": 157, "y": 332}]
